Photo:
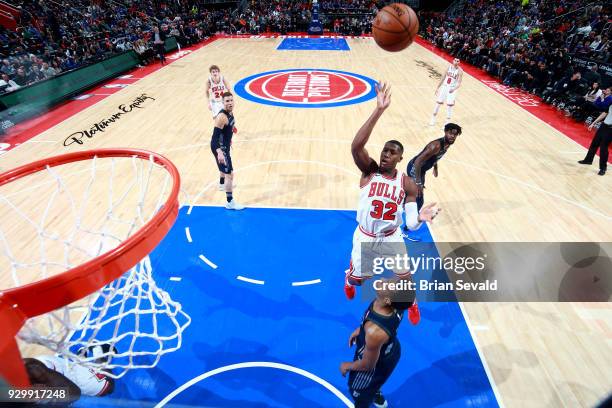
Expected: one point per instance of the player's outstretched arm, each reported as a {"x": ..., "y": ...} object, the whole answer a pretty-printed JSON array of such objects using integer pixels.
[
  {"x": 601, "y": 117},
  {"x": 227, "y": 84},
  {"x": 431, "y": 150},
  {"x": 375, "y": 338},
  {"x": 354, "y": 336},
  {"x": 360, "y": 154},
  {"x": 414, "y": 217},
  {"x": 208, "y": 94},
  {"x": 220, "y": 121},
  {"x": 439, "y": 84},
  {"x": 459, "y": 79}
]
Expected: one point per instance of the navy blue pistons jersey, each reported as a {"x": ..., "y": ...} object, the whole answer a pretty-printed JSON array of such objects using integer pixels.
[
  {"x": 389, "y": 353},
  {"x": 428, "y": 164},
  {"x": 225, "y": 141}
]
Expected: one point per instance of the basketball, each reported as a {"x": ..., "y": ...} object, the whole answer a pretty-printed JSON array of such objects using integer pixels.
[{"x": 395, "y": 27}]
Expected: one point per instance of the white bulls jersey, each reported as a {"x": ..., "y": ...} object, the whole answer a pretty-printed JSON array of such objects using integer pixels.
[
  {"x": 216, "y": 90},
  {"x": 90, "y": 382},
  {"x": 381, "y": 204},
  {"x": 452, "y": 75}
]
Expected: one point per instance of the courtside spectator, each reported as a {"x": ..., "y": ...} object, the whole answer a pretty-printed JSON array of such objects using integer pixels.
[
  {"x": 529, "y": 44},
  {"x": 7, "y": 84}
]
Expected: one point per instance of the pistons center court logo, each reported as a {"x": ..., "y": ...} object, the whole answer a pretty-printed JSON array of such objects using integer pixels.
[{"x": 306, "y": 88}]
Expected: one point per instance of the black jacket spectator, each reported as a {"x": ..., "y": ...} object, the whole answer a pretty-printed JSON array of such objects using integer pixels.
[
  {"x": 528, "y": 45},
  {"x": 592, "y": 75}
]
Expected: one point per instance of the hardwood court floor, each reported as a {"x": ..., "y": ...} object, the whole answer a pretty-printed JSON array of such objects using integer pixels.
[{"x": 510, "y": 177}]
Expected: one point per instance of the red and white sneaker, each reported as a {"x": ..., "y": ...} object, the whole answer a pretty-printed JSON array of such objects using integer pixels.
[
  {"x": 414, "y": 314},
  {"x": 234, "y": 129},
  {"x": 349, "y": 290}
]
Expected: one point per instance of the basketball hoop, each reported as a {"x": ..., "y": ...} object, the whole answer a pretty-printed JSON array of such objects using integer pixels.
[{"x": 100, "y": 260}]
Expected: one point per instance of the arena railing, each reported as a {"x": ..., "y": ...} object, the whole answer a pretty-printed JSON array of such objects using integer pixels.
[{"x": 39, "y": 97}]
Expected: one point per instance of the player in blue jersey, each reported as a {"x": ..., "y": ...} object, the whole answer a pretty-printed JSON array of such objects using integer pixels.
[
  {"x": 428, "y": 158},
  {"x": 377, "y": 349},
  {"x": 220, "y": 146}
]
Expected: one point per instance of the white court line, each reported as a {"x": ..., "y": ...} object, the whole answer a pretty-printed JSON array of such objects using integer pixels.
[
  {"x": 534, "y": 187},
  {"x": 208, "y": 262},
  {"x": 258, "y": 364},
  {"x": 270, "y": 139},
  {"x": 48, "y": 182},
  {"x": 188, "y": 234},
  {"x": 303, "y": 283},
  {"x": 190, "y": 85},
  {"x": 255, "y": 281},
  {"x": 220, "y": 46},
  {"x": 284, "y": 207},
  {"x": 481, "y": 355},
  {"x": 475, "y": 340},
  {"x": 509, "y": 178},
  {"x": 352, "y": 172},
  {"x": 507, "y": 99},
  {"x": 176, "y": 279},
  {"x": 197, "y": 197},
  {"x": 480, "y": 327}
]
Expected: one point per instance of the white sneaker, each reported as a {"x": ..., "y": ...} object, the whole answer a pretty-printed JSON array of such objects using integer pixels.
[
  {"x": 233, "y": 205},
  {"x": 432, "y": 122}
]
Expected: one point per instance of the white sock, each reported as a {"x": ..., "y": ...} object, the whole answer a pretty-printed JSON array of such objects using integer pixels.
[
  {"x": 449, "y": 111},
  {"x": 436, "y": 109},
  {"x": 346, "y": 278}
]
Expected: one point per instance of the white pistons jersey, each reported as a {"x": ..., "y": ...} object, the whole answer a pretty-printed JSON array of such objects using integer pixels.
[
  {"x": 90, "y": 382},
  {"x": 381, "y": 204},
  {"x": 452, "y": 75},
  {"x": 217, "y": 89}
]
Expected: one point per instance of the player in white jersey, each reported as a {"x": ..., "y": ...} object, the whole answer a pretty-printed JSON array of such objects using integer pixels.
[
  {"x": 446, "y": 91},
  {"x": 216, "y": 86},
  {"x": 56, "y": 371},
  {"x": 385, "y": 192}
]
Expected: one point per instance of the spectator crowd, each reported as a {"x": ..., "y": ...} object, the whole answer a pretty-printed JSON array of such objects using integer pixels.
[
  {"x": 349, "y": 17},
  {"x": 541, "y": 47},
  {"x": 58, "y": 36},
  {"x": 529, "y": 44}
]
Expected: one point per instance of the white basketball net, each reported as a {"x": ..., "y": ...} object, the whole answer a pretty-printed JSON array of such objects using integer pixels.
[{"x": 112, "y": 199}]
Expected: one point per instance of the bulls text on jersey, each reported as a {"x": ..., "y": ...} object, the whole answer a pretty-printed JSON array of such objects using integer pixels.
[
  {"x": 385, "y": 190},
  {"x": 451, "y": 75},
  {"x": 381, "y": 204},
  {"x": 217, "y": 89}
]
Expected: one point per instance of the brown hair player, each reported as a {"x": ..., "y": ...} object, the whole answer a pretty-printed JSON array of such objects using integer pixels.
[
  {"x": 220, "y": 145},
  {"x": 385, "y": 192},
  {"x": 446, "y": 90},
  {"x": 216, "y": 86}
]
